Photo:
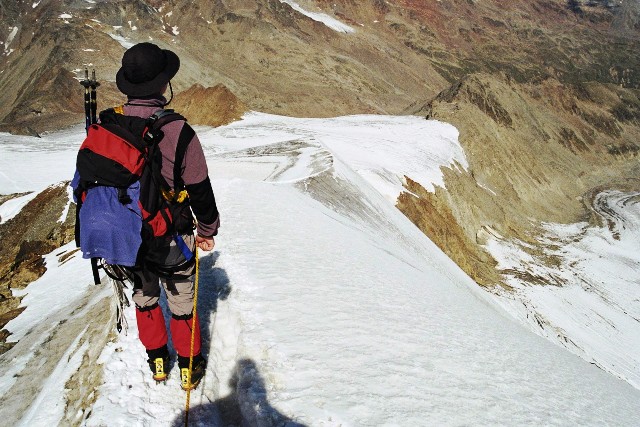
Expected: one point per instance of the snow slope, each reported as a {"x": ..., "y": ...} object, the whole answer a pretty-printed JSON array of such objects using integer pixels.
[
  {"x": 322, "y": 305},
  {"x": 590, "y": 302}
]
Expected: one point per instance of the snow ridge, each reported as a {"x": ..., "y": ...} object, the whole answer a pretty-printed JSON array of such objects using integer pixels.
[{"x": 321, "y": 304}]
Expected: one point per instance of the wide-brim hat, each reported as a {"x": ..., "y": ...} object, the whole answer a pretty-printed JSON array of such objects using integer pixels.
[{"x": 146, "y": 69}]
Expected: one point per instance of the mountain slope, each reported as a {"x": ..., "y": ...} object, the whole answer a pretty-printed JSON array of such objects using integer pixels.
[{"x": 284, "y": 57}]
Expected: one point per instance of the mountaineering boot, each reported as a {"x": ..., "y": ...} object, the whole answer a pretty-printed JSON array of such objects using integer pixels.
[
  {"x": 159, "y": 363},
  {"x": 190, "y": 380},
  {"x": 160, "y": 367}
]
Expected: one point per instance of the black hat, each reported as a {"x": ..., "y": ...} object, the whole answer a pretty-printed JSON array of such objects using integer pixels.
[{"x": 146, "y": 69}]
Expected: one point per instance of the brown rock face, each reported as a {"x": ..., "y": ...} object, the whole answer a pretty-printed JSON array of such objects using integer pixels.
[
  {"x": 432, "y": 213},
  {"x": 277, "y": 60},
  {"x": 212, "y": 106}
]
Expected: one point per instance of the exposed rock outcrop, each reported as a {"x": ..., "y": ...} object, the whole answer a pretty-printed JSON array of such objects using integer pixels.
[
  {"x": 34, "y": 232},
  {"x": 433, "y": 213},
  {"x": 212, "y": 106}
]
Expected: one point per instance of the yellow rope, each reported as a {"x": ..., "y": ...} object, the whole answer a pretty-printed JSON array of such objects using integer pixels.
[{"x": 193, "y": 336}]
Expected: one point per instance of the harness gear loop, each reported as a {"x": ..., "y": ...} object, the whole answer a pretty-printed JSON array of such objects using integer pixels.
[
  {"x": 193, "y": 334},
  {"x": 172, "y": 196}
]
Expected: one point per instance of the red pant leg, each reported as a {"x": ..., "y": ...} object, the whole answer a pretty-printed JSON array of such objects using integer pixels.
[
  {"x": 151, "y": 328},
  {"x": 181, "y": 336}
]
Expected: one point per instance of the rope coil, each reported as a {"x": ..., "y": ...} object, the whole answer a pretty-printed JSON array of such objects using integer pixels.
[{"x": 193, "y": 334}]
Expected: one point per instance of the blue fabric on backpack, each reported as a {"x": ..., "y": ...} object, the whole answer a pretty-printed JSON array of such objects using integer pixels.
[{"x": 109, "y": 229}]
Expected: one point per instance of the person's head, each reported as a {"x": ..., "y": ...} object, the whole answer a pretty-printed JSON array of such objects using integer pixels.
[{"x": 146, "y": 70}]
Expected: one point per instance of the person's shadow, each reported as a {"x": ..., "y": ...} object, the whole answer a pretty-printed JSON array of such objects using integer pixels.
[
  {"x": 246, "y": 406},
  {"x": 214, "y": 286}
]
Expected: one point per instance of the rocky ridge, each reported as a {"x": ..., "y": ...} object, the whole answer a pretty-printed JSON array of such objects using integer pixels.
[
  {"x": 26, "y": 238},
  {"x": 278, "y": 60}
]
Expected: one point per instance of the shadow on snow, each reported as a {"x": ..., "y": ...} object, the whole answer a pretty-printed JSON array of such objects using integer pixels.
[
  {"x": 246, "y": 405},
  {"x": 214, "y": 286}
]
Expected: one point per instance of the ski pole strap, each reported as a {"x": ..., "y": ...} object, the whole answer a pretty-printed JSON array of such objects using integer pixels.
[
  {"x": 87, "y": 110},
  {"x": 93, "y": 98},
  {"x": 94, "y": 269},
  {"x": 86, "y": 83}
]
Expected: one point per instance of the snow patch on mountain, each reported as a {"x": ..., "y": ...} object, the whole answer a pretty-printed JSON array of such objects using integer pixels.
[
  {"x": 58, "y": 162},
  {"x": 12, "y": 207},
  {"x": 382, "y": 149},
  {"x": 327, "y": 20},
  {"x": 124, "y": 42},
  {"x": 9, "y": 40}
]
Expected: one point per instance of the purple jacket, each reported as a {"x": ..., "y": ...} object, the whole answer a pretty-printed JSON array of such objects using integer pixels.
[{"x": 109, "y": 229}]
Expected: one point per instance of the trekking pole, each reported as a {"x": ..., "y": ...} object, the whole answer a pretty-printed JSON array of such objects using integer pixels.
[
  {"x": 86, "y": 83},
  {"x": 193, "y": 337},
  {"x": 94, "y": 100}
]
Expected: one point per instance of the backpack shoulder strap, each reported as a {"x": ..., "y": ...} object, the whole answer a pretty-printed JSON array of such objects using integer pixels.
[
  {"x": 162, "y": 117},
  {"x": 153, "y": 133},
  {"x": 156, "y": 122},
  {"x": 186, "y": 136}
]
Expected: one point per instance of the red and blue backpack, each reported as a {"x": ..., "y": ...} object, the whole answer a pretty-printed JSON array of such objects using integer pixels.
[{"x": 127, "y": 216}]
